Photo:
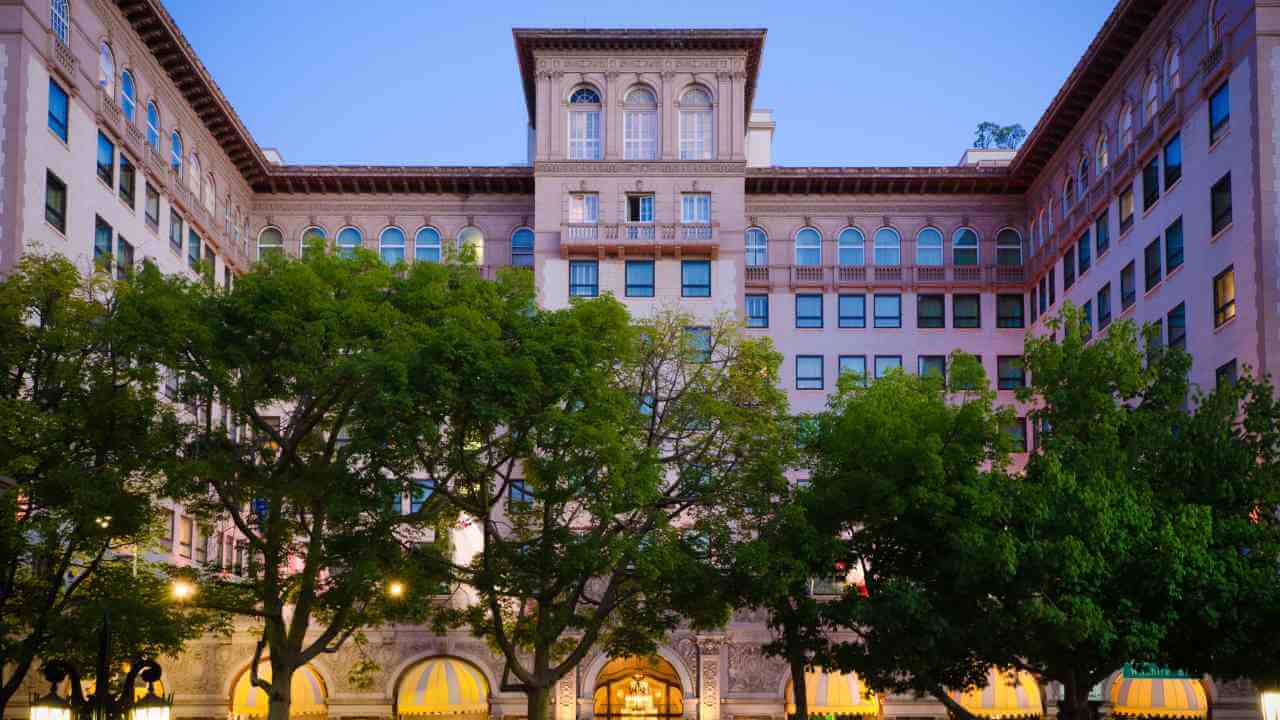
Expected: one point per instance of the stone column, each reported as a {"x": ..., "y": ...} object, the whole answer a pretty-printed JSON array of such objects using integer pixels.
[
  {"x": 709, "y": 665},
  {"x": 565, "y": 699}
]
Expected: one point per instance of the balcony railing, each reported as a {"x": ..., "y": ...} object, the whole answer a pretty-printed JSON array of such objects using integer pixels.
[
  {"x": 888, "y": 273},
  {"x": 109, "y": 111},
  {"x": 696, "y": 232},
  {"x": 1100, "y": 193},
  {"x": 758, "y": 275},
  {"x": 851, "y": 274},
  {"x": 931, "y": 274},
  {"x": 808, "y": 275},
  {"x": 967, "y": 273},
  {"x": 1123, "y": 163},
  {"x": 645, "y": 232},
  {"x": 62, "y": 60},
  {"x": 582, "y": 232},
  {"x": 1010, "y": 274},
  {"x": 1171, "y": 113}
]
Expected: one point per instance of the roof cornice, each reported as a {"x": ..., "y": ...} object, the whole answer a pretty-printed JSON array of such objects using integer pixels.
[
  {"x": 944, "y": 180},
  {"x": 529, "y": 40}
]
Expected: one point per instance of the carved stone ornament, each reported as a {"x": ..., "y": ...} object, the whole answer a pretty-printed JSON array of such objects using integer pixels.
[
  {"x": 884, "y": 221},
  {"x": 751, "y": 671},
  {"x": 849, "y": 220},
  {"x": 346, "y": 219},
  {"x": 695, "y": 185},
  {"x": 639, "y": 183},
  {"x": 687, "y": 648},
  {"x": 582, "y": 185},
  {"x": 710, "y": 645},
  {"x": 964, "y": 220},
  {"x": 471, "y": 220},
  {"x": 808, "y": 220}
]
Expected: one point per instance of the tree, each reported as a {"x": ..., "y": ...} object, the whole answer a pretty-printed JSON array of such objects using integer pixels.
[
  {"x": 280, "y": 376},
  {"x": 1004, "y": 137},
  {"x": 82, "y": 440},
  {"x": 910, "y": 474},
  {"x": 604, "y": 465}
]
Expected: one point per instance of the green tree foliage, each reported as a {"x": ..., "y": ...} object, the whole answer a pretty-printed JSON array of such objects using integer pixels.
[
  {"x": 1004, "y": 137},
  {"x": 82, "y": 438},
  {"x": 282, "y": 378},
  {"x": 603, "y": 463}
]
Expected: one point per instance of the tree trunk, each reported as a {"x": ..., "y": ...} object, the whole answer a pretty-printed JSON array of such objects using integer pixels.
[
  {"x": 799, "y": 687},
  {"x": 281, "y": 696},
  {"x": 955, "y": 709},
  {"x": 539, "y": 703},
  {"x": 1075, "y": 703},
  {"x": 10, "y": 683}
]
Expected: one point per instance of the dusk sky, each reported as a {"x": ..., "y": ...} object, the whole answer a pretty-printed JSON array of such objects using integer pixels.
[{"x": 859, "y": 82}]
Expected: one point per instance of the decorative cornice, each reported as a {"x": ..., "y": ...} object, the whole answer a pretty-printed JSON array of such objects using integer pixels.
[
  {"x": 641, "y": 167},
  {"x": 949, "y": 180}
]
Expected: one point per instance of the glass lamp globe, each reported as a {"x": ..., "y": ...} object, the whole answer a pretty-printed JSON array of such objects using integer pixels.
[
  {"x": 51, "y": 707},
  {"x": 148, "y": 707},
  {"x": 1270, "y": 702}
]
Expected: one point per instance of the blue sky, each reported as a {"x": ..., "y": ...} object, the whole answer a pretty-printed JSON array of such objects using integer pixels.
[{"x": 858, "y": 82}]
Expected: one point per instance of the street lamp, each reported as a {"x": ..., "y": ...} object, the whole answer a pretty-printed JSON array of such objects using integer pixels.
[
  {"x": 101, "y": 705},
  {"x": 395, "y": 589}
]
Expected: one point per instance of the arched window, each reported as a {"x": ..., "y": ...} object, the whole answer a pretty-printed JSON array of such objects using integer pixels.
[
  {"x": 175, "y": 153},
  {"x": 1068, "y": 194},
  {"x": 60, "y": 20},
  {"x": 1082, "y": 182},
  {"x": 1008, "y": 248},
  {"x": 964, "y": 247},
  {"x": 391, "y": 245},
  {"x": 153, "y": 125},
  {"x": 1050, "y": 216},
  {"x": 1126, "y": 126},
  {"x": 1211, "y": 31},
  {"x": 270, "y": 242},
  {"x": 226, "y": 215},
  {"x": 584, "y": 125},
  {"x": 349, "y": 239},
  {"x": 471, "y": 240},
  {"x": 426, "y": 245},
  {"x": 522, "y": 248},
  {"x": 210, "y": 194},
  {"x": 1103, "y": 158},
  {"x": 929, "y": 248},
  {"x": 808, "y": 247},
  {"x": 757, "y": 247},
  {"x": 128, "y": 95},
  {"x": 696, "y": 134},
  {"x": 1172, "y": 71},
  {"x": 106, "y": 70},
  {"x": 640, "y": 124},
  {"x": 851, "y": 247},
  {"x": 888, "y": 247},
  {"x": 194, "y": 167},
  {"x": 310, "y": 236},
  {"x": 1150, "y": 101}
]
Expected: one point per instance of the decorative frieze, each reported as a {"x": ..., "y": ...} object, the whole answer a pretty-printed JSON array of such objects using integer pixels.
[
  {"x": 676, "y": 168},
  {"x": 751, "y": 671}
]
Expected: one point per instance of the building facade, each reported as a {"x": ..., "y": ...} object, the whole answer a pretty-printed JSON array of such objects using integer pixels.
[{"x": 1148, "y": 190}]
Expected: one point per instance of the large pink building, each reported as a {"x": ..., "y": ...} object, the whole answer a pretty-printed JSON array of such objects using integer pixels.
[{"x": 1146, "y": 190}]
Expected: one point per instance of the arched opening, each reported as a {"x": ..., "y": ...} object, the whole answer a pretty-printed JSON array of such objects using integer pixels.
[
  {"x": 308, "y": 695},
  {"x": 639, "y": 687},
  {"x": 1148, "y": 691},
  {"x": 440, "y": 686},
  {"x": 1007, "y": 695},
  {"x": 834, "y": 694}
]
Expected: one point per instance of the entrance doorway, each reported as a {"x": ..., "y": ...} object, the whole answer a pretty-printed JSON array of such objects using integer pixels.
[{"x": 635, "y": 688}]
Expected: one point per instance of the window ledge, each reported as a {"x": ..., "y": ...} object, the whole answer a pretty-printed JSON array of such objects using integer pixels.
[
  {"x": 56, "y": 231},
  {"x": 66, "y": 145},
  {"x": 1212, "y": 146},
  {"x": 1226, "y": 324},
  {"x": 1154, "y": 203},
  {"x": 1221, "y": 232},
  {"x": 1125, "y": 233},
  {"x": 1172, "y": 187},
  {"x": 1101, "y": 256},
  {"x": 104, "y": 184}
]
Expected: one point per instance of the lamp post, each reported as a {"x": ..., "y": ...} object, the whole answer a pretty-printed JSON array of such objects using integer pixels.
[{"x": 101, "y": 705}]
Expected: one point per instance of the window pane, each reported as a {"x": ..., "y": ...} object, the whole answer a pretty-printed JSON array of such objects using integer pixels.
[
  {"x": 1177, "y": 322},
  {"x": 1009, "y": 311},
  {"x": 1009, "y": 370},
  {"x": 808, "y": 247},
  {"x": 1173, "y": 246},
  {"x": 1151, "y": 263},
  {"x": 58, "y": 110},
  {"x": 808, "y": 311},
  {"x": 856, "y": 364},
  {"x": 757, "y": 247},
  {"x": 1224, "y": 297},
  {"x": 930, "y": 311},
  {"x": 522, "y": 248},
  {"x": 1172, "y": 161},
  {"x": 852, "y": 248},
  {"x": 758, "y": 311},
  {"x": 695, "y": 278},
  {"x": 965, "y": 247},
  {"x": 932, "y": 365},
  {"x": 1220, "y": 204},
  {"x": 1128, "y": 285},
  {"x": 853, "y": 311},
  {"x": 808, "y": 372},
  {"x": 888, "y": 311},
  {"x": 639, "y": 278},
  {"x": 885, "y": 363},
  {"x": 966, "y": 311},
  {"x": 929, "y": 248},
  {"x": 583, "y": 278},
  {"x": 1219, "y": 113},
  {"x": 1150, "y": 185}
]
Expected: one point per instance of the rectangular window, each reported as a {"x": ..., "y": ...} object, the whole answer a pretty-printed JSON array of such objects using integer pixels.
[
  {"x": 1009, "y": 311},
  {"x": 1126, "y": 209},
  {"x": 931, "y": 311},
  {"x": 1224, "y": 297},
  {"x": 932, "y": 365},
  {"x": 1172, "y": 161},
  {"x": 102, "y": 236},
  {"x": 584, "y": 208},
  {"x": 695, "y": 134},
  {"x": 1177, "y": 322},
  {"x": 1226, "y": 374},
  {"x": 1173, "y": 246},
  {"x": 1009, "y": 372},
  {"x": 419, "y": 493},
  {"x": 639, "y": 278},
  {"x": 1044, "y": 297},
  {"x": 695, "y": 278},
  {"x": 808, "y": 311},
  {"x": 186, "y": 528},
  {"x": 1086, "y": 311},
  {"x": 853, "y": 311},
  {"x": 584, "y": 278},
  {"x": 1219, "y": 113},
  {"x": 106, "y": 160},
  {"x": 1220, "y": 203},
  {"x": 808, "y": 372},
  {"x": 193, "y": 249},
  {"x": 1035, "y": 313},
  {"x": 888, "y": 309},
  {"x": 1053, "y": 288},
  {"x": 758, "y": 311},
  {"x": 885, "y": 363},
  {"x": 1017, "y": 432},
  {"x": 966, "y": 311},
  {"x": 584, "y": 135},
  {"x": 152, "y": 209},
  {"x": 58, "y": 109},
  {"x": 1084, "y": 253},
  {"x": 175, "y": 232},
  {"x": 519, "y": 496},
  {"x": 639, "y": 208},
  {"x": 695, "y": 208},
  {"x": 699, "y": 340},
  {"x": 1069, "y": 268},
  {"x": 640, "y": 135},
  {"x": 1104, "y": 306},
  {"x": 1150, "y": 185},
  {"x": 1102, "y": 233},
  {"x": 1128, "y": 286},
  {"x": 55, "y": 202},
  {"x": 1151, "y": 263},
  {"x": 202, "y": 543},
  {"x": 128, "y": 181},
  {"x": 124, "y": 258},
  {"x": 856, "y": 364}
]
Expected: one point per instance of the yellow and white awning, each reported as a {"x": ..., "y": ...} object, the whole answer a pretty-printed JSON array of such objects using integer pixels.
[
  {"x": 443, "y": 686},
  {"x": 834, "y": 694},
  {"x": 1006, "y": 695},
  {"x": 307, "y": 694},
  {"x": 1158, "y": 697}
]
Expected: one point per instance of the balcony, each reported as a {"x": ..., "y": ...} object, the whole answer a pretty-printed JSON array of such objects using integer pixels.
[
  {"x": 61, "y": 60},
  {"x": 1009, "y": 274},
  {"x": 644, "y": 232},
  {"x": 808, "y": 276},
  {"x": 696, "y": 232},
  {"x": 581, "y": 232},
  {"x": 1100, "y": 193},
  {"x": 889, "y": 274},
  {"x": 109, "y": 113},
  {"x": 1212, "y": 62},
  {"x": 1170, "y": 114},
  {"x": 1123, "y": 164},
  {"x": 1146, "y": 136},
  {"x": 851, "y": 274},
  {"x": 134, "y": 139},
  {"x": 156, "y": 165},
  {"x": 967, "y": 273},
  {"x": 758, "y": 275},
  {"x": 931, "y": 275},
  {"x": 670, "y": 238}
]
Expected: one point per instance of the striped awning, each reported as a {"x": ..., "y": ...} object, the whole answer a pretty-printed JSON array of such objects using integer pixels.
[
  {"x": 1158, "y": 697},
  {"x": 1006, "y": 695},
  {"x": 443, "y": 686},
  {"x": 307, "y": 694},
  {"x": 834, "y": 694}
]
